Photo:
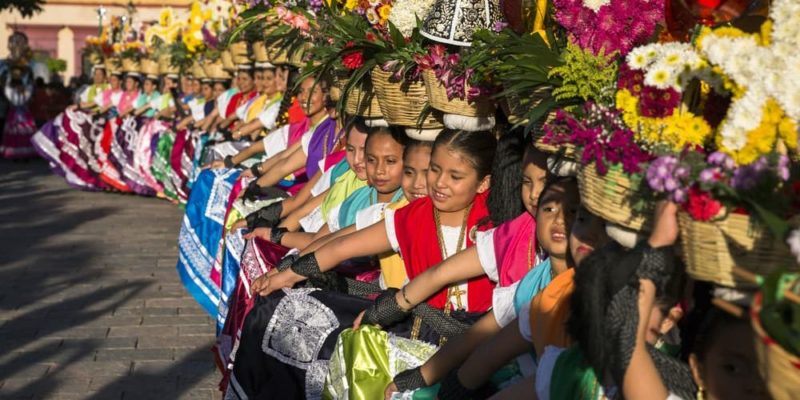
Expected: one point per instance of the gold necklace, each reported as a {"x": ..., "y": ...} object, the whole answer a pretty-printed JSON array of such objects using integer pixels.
[
  {"x": 452, "y": 290},
  {"x": 530, "y": 252}
]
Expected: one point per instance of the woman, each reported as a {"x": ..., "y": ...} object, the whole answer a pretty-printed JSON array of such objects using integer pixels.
[
  {"x": 125, "y": 136},
  {"x": 425, "y": 232}
]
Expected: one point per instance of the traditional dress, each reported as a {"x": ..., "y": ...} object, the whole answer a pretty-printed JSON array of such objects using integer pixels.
[
  {"x": 289, "y": 336},
  {"x": 19, "y": 124}
]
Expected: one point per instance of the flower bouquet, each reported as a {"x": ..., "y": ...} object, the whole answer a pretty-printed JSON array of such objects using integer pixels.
[{"x": 612, "y": 163}]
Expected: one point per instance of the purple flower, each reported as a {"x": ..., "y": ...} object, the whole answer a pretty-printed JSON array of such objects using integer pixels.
[
  {"x": 710, "y": 175},
  {"x": 745, "y": 178},
  {"x": 499, "y": 26},
  {"x": 783, "y": 167},
  {"x": 721, "y": 159},
  {"x": 660, "y": 174}
]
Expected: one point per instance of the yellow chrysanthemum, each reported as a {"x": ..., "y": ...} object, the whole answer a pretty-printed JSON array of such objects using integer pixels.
[
  {"x": 384, "y": 12},
  {"x": 351, "y": 5},
  {"x": 763, "y": 139}
]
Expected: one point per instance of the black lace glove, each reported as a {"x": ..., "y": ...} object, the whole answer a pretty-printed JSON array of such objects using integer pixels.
[
  {"x": 252, "y": 192},
  {"x": 228, "y": 161},
  {"x": 277, "y": 234},
  {"x": 256, "y": 170},
  {"x": 385, "y": 311},
  {"x": 410, "y": 379},
  {"x": 266, "y": 217},
  {"x": 306, "y": 265},
  {"x": 286, "y": 262}
]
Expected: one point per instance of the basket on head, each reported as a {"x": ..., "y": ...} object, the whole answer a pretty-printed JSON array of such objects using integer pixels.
[
  {"x": 226, "y": 58},
  {"x": 149, "y": 68},
  {"x": 613, "y": 197},
  {"x": 260, "y": 52},
  {"x": 112, "y": 65},
  {"x": 779, "y": 368},
  {"x": 165, "y": 66},
  {"x": 198, "y": 72},
  {"x": 402, "y": 103},
  {"x": 361, "y": 100},
  {"x": 215, "y": 70},
  {"x": 95, "y": 58},
  {"x": 437, "y": 95},
  {"x": 239, "y": 49},
  {"x": 130, "y": 65},
  {"x": 712, "y": 249}
]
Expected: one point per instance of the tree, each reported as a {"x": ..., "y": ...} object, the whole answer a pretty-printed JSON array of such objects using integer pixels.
[{"x": 25, "y": 7}]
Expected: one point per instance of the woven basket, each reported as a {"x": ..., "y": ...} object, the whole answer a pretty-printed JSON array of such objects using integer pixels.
[
  {"x": 112, "y": 65},
  {"x": 612, "y": 197},
  {"x": 260, "y": 52},
  {"x": 165, "y": 65},
  {"x": 361, "y": 100},
  {"x": 402, "y": 103},
  {"x": 239, "y": 49},
  {"x": 779, "y": 368},
  {"x": 148, "y": 67},
  {"x": 516, "y": 111},
  {"x": 95, "y": 59},
  {"x": 130, "y": 65},
  {"x": 197, "y": 71},
  {"x": 568, "y": 150},
  {"x": 227, "y": 60},
  {"x": 437, "y": 95},
  {"x": 712, "y": 249}
]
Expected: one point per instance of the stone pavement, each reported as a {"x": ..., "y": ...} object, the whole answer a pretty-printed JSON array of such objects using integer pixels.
[{"x": 91, "y": 306}]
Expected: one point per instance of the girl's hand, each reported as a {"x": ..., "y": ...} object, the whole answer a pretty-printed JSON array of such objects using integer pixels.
[
  {"x": 390, "y": 390},
  {"x": 357, "y": 321},
  {"x": 216, "y": 164},
  {"x": 263, "y": 233},
  {"x": 665, "y": 229},
  {"x": 285, "y": 279},
  {"x": 247, "y": 174},
  {"x": 240, "y": 224},
  {"x": 259, "y": 284}
]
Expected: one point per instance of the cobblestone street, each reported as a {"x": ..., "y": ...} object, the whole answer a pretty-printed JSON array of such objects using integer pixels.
[{"x": 91, "y": 306}]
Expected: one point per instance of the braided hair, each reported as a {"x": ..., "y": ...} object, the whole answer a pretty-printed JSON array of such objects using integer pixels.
[{"x": 288, "y": 97}]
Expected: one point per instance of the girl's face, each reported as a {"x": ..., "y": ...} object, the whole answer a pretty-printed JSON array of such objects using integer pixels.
[
  {"x": 311, "y": 97},
  {"x": 186, "y": 85},
  {"x": 384, "y": 163},
  {"x": 99, "y": 77},
  {"x": 588, "y": 233},
  {"x": 269, "y": 84},
  {"x": 415, "y": 172},
  {"x": 196, "y": 86},
  {"x": 168, "y": 84},
  {"x": 245, "y": 81},
  {"x": 219, "y": 89},
  {"x": 554, "y": 217},
  {"x": 114, "y": 81},
  {"x": 258, "y": 78},
  {"x": 207, "y": 91},
  {"x": 281, "y": 77},
  {"x": 354, "y": 152},
  {"x": 534, "y": 175},
  {"x": 730, "y": 367},
  {"x": 131, "y": 84},
  {"x": 148, "y": 86},
  {"x": 452, "y": 180}
]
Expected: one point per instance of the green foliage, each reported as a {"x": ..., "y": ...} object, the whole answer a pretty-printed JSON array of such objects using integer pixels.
[
  {"x": 584, "y": 77},
  {"x": 56, "y": 65},
  {"x": 25, "y": 7}
]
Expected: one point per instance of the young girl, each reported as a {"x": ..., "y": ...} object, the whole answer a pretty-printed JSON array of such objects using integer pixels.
[{"x": 424, "y": 232}]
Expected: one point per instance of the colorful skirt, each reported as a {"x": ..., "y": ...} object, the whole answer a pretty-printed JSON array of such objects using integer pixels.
[
  {"x": 17, "y": 133},
  {"x": 143, "y": 154},
  {"x": 45, "y": 142},
  {"x": 102, "y": 150},
  {"x": 161, "y": 168},
  {"x": 201, "y": 234},
  {"x": 77, "y": 133},
  {"x": 123, "y": 148}
]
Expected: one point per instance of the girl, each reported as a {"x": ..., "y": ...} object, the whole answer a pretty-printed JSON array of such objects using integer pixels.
[
  {"x": 109, "y": 147},
  {"x": 425, "y": 232}
]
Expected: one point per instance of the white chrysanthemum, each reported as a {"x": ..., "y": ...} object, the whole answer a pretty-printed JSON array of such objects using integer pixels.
[
  {"x": 405, "y": 12},
  {"x": 595, "y": 5},
  {"x": 661, "y": 76},
  {"x": 372, "y": 16}
]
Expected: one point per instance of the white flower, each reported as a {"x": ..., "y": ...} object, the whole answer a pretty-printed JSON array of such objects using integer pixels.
[
  {"x": 372, "y": 16},
  {"x": 405, "y": 12},
  {"x": 595, "y": 5},
  {"x": 661, "y": 76},
  {"x": 794, "y": 244}
]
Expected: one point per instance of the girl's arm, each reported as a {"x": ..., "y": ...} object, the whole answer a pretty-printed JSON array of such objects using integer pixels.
[
  {"x": 292, "y": 203},
  {"x": 249, "y": 151},
  {"x": 524, "y": 389},
  {"x": 324, "y": 239},
  {"x": 301, "y": 240},
  {"x": 461, "y": 266},
  {"x": 279, "y": 170},
  {"x": 206, "y": 122},
  {"x": 642, "y": 380},
  {"x": 247, "y": 129},
  {"x": 292, "y": 220},
  {"x": 366, "y": 242},
  {"x": 492, "y": 355}
]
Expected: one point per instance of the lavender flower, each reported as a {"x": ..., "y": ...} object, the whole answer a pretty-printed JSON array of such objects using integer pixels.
[
  {"x": 783, "y": 167},
  {"x": 710, "y": 175},
  {"x": 721, "y": 159},
  {"x": 665, "y": 175},
  {"x": 499, "y": 26},
  {"x": 745, "y": 178}
]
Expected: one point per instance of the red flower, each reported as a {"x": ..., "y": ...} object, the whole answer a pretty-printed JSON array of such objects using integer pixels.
[
  {"x": 371, "y": 37},
  {"x": 349, "y": 44},
  {"x": 701, "y": 206},
  {"x": 353, "y": 60}
]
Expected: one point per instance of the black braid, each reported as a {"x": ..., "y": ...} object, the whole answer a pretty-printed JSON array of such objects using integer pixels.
[{"x": 288, "y": 97}]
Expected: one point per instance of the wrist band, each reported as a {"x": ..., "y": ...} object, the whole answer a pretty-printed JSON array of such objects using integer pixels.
[
  {"x": 229, "y": 162},
  {"x": 410, "y": 379},
  {"x": 385, "y": 311},
  {"x": 306, "y": 265},
  {"x": 256, "y": 170},
  {"x": 277, "y": 234},
  {"x": 403, "y": 292}
]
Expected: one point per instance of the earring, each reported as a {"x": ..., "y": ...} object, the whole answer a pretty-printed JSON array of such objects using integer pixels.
[{"x": 701, "y": 393}]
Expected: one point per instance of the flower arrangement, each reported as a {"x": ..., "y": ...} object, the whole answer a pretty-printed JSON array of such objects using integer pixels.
[
  {"x": 600, "y": 136},
  {"x": 454, "y": 72},
  {"x": 406, "y": 14},
  {"x": 609, "y": 26},
  {"x": 375, "y": 11}
]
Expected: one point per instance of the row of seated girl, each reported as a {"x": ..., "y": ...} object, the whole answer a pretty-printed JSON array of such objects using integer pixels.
[{"x": 493, "y": 281}]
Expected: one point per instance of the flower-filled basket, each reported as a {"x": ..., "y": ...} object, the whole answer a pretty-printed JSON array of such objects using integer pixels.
[
  {"x": 615, "y": 197},
  {"x": 774, "y": 315},
  {"x": 481, "y": 107},
  {"x": 712, "y": 249},
  {"x": 361, "y": 100},
  {"x": 402, "y": 102}
]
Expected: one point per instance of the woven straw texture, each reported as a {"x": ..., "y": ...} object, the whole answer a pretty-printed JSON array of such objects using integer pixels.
[
  {"x": 215, "y": 70},
  {"x": 437, "y": 95},
  {"x": 227, "y": 60},
  {"x": 361, "y": 100},
  {"x": 779, "y": 368},
  {"x": 197, "y": 71},
  {"x": 130, "y": 65},
  {"x": 95, "y": 59},
  {"x": 165, "y": 65},
  {"x": 260, "y": 52},
  {"x": 112, "y": 65},
  {"x": 239, "y": 49},
  {"x": 612, "y": 197},
  {"x": 712, "y": 249},
  {"x": 148, "y": 67},
  {"x": 402, "y": 103}
]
